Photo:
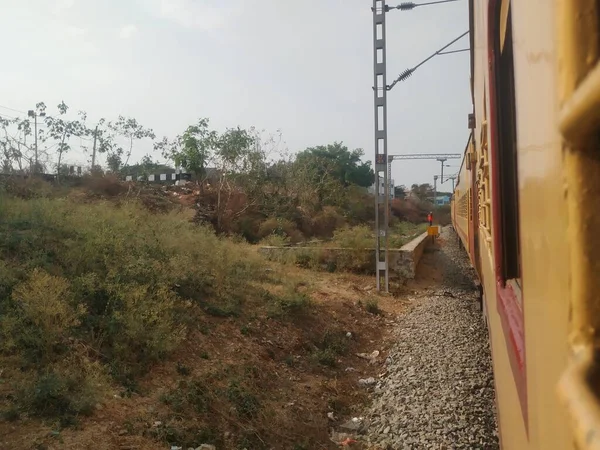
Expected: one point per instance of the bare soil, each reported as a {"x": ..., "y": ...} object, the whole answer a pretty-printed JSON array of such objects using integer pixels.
[{"x": 273, "y": 359}]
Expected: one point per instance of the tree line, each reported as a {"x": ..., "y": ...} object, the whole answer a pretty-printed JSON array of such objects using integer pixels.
[
  {"x": 244, "y": 175},
  {"x": 26, "y": 147}
]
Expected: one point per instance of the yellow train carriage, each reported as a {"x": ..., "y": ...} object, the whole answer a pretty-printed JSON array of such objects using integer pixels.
[{"x": 525, "y": 210}]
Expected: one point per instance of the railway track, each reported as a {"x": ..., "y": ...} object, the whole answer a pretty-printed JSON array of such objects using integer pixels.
[{"x": 439, "y": 388}]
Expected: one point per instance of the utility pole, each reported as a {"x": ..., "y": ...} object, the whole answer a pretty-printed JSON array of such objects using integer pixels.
[
  {"x": 435, "y": 177},
  {"x": 382, "y": 163},
  {"x": 34, "y": 114},
  {"x": 94, "y": 150},
  {"x": 381, "y": 157},
  {"x": 442, "y": 161},
  {"x": 35, "y": 167}
]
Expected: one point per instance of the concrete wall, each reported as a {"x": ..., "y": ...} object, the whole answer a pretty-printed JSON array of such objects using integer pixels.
[{"x": 403, "y": 261}]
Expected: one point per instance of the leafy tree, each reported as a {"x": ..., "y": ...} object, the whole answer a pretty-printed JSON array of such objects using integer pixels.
[
  {"x": 130, "y": 129},
  {"x": 193, "y": 149},
  {"x": 343, "y": 164},
  {"x": 13, "y": 144},
  {"x": 9, "y": 153},
  {"x": 400, "y": 191},
  {"x": 235, "y": 159},
  {"x": 106, "y": 144},
  {"x": 114, "y": 161},
  {"x": 422, "y": 191},
  {"x": 37, "y": 166},
  {"x": 61, "y": 130}
]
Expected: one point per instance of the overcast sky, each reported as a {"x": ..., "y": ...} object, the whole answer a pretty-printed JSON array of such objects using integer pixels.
[{"x": 302, "y": 66}]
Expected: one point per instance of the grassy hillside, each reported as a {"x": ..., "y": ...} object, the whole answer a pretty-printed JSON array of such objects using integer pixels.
[{"x": 109, "y": 311}]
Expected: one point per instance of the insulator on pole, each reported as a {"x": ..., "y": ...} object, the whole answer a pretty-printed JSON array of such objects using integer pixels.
[
  {"x": 406, "y": 74},
  {"x": 406, "y": 6}
]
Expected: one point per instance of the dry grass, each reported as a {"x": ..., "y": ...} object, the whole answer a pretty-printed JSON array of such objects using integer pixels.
[
  {"x": 113, "y": 318},
  {"x": 348, "y": 250}
]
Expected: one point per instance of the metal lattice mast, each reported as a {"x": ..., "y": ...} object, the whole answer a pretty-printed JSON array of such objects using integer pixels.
[
  {"x": 382, "y": 163},
  {"x": 381, "y": 159}
]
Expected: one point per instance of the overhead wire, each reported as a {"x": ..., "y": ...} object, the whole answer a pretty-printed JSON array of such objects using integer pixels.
[
  {"x": 408, "y": 72},
  {"x": 7, "y": 116},
  {"x": 12, "y": 109}
]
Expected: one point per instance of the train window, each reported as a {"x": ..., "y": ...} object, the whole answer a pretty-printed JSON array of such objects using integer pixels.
[
  {"x": 470, "y": 205},
  {"x": 483, "y": 178},
  {"x": 507, "y": 146}
]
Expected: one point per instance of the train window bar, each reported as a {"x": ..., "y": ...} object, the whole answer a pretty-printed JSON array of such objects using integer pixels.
[{"x": 579, "y": 122}]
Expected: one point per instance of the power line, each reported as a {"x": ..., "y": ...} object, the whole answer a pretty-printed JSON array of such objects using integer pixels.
[
  {"x": 410, "y": 5},
  {"x": 454, "y": 51},
  {"x": 7, "y": 116},
  {"x": 12, "y": 109},
  {"x": 408, "y": 72}
]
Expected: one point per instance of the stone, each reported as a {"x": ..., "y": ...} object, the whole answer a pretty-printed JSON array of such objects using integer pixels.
[
  {"x": 367, "y": 382},
  {"x": 437, "y": 387},
  {"x": 336, "y": 437},
  {"x": 351, "y": 426}
]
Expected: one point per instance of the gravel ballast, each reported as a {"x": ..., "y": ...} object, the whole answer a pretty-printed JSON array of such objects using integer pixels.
[{"x": 438, "y": 392}]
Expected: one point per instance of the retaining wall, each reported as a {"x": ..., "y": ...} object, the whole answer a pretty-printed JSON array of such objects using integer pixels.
[{"x": 402, "y": 261}]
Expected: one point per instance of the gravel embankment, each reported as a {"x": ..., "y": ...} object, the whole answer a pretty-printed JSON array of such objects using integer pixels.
[{"x": 439, "y": 391}]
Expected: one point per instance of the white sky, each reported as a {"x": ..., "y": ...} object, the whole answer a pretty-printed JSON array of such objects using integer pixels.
[{"x": 302, "y": 66}]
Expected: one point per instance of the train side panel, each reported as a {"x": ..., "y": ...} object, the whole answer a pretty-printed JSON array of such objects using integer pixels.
[
  {"x": 460, "y": 207},
  {"x": 544, "y": 249},
  {"x": 527, "y": 316},
  {"x": 511, "y": 421}
]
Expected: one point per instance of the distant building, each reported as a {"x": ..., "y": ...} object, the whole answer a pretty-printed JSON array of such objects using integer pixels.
[
  {"x": 167, "y": 174},
  {"x": 442, "y": 199}
]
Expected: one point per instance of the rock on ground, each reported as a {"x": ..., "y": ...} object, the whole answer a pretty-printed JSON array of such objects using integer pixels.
[{"x": 439, "y": 390}]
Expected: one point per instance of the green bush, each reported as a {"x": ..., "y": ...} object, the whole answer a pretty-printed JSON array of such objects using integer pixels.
[
  {"x": 329, "y": 346},
  {"x": 402, "y": 233},
  {"x": 63, "y": 390},
  {"x": 188, "y": 394},
  {"x": 42, "y": 315},
  {"x": 246, "y": 403},
  {"x": 325, "y": 222},
  {"x": 275, "y": 240},
  {"x": 358, "y": 256},
  {"x": 372, "y": 306},
  {"x": 325, "y": 357},
  {"x": 280, "y": 227},
  {"x": 112, "y": 283},
  {"x": 289, "y": 304},
  {"x": 358, "y": 238}
]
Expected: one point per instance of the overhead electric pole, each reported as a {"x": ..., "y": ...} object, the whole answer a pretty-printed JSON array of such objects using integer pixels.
[
  {"x": 381, "y": 157},
  {"x": 33, "y": 113},
  {"x": 382, "y": 163},
  {"x": 94, "y": 149}
]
